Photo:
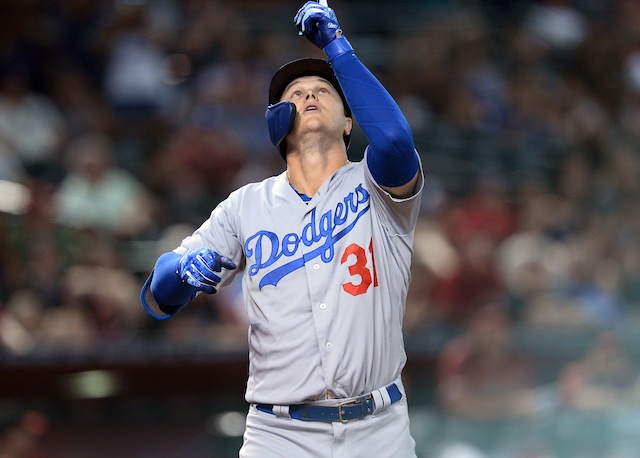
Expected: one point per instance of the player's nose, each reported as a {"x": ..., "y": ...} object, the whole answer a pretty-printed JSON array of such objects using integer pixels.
[{"x": 311, "y": 94}]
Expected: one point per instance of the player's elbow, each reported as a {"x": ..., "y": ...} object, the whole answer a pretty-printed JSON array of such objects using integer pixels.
[
  {"x": 399, "y": 140},
  {"x": 394, "y": 167}
]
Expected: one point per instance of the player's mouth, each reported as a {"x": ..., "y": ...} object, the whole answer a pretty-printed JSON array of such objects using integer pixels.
[{"x": 311, "y": 108}]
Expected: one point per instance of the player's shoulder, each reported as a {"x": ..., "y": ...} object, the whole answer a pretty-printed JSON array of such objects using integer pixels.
[
  {"x": 267, "y": 186},
  {"x": 351, "y": 169}
]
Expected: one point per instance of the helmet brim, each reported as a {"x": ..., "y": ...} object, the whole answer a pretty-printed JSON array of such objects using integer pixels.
[{"x": 308, "y": 66}]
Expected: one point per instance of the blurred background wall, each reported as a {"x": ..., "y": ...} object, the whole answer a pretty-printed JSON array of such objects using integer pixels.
[{"x": 124, "y": 122}]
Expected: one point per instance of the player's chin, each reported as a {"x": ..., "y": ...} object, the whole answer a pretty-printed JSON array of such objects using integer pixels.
[
  {"x": 312, "y": 125},
  {"x": 312, "y": 120}
]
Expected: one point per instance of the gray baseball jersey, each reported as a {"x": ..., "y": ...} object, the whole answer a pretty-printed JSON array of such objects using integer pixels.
[{"x": 324, "y": 282}]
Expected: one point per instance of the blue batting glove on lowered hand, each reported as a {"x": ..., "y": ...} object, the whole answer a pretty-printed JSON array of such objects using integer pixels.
[
  {"x": 198, "y": 268},
  {"x": 318, "y": 22}
]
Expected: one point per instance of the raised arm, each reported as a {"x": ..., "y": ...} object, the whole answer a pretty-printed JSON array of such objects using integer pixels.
[{"x": 391, "y": 156}]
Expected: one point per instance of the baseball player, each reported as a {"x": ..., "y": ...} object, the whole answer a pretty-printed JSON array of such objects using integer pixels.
[{"x": 324, "y": 251}]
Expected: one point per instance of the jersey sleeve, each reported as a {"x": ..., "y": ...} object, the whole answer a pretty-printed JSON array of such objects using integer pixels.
[
  {"x": 392, "y": 158},
  {"x": 218, "y": 232},
  {"x": 399, "y": 215}
]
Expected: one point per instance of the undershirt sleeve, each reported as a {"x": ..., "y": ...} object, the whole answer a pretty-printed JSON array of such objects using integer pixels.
[{"x": 392, "y": 157}]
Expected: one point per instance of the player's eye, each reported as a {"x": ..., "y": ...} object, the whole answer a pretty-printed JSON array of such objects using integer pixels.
[{"x": 323, "y": 90}]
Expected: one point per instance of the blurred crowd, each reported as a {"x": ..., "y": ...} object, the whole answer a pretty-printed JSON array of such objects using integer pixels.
[{"x": 124, "y": 122}]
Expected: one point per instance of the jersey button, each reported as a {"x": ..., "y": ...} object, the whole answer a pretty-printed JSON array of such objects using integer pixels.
[
  {"x": 323, "y": 306},
  {"x": 316, "y": 266},
  {"x": 329, "y": 345}
]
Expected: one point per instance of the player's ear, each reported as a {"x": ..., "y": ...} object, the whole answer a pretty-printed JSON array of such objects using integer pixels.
[{"x": 348, "y": 125}]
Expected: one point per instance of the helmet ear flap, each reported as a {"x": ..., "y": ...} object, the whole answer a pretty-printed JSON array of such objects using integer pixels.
[
  {"x": 288, "y": 72},
  {"x": 281, "y": 118}
]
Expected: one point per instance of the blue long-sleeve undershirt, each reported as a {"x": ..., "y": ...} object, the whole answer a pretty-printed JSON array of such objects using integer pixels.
[
  {"x": 167, "y": 287},
  {"x": 392, "y": 158}
]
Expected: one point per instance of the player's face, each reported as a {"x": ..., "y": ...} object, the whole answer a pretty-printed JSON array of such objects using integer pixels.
[{"x": 318, "y": 104}]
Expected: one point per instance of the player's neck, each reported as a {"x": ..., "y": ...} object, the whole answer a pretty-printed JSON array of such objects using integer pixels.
[{"x": 308, "y": 172}]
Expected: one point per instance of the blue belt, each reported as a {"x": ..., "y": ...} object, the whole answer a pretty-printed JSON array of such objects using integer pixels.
[{"x": 347, "y": 411}]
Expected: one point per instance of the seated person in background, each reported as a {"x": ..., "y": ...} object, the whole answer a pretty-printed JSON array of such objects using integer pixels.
[
  {"x": 606, "y": 378},
  {"x": 97, "y": 194},
  {"x": 484, "y": 386},
  {"x": 600, "y": 400},
  {"x": 480, "y": 376}
]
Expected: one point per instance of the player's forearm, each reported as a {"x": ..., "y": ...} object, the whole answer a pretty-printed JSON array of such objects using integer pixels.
[
  {"x": 166, "y": 285},
  {"x": 391, "y": 157}
]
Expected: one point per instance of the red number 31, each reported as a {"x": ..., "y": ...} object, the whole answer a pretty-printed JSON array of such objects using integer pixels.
[{"x": 360, "y": 268}]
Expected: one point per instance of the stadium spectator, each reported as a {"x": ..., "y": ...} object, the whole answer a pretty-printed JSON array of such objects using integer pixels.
[
  {"x": 599, "y": 394},
  {"x": 32, "y": 129},
  {"x": 98, "y": 194},
  {"x": 486, "y": 388}
]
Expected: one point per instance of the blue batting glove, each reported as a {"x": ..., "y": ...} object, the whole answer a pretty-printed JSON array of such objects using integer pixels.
[
  {"x": 198, "y": 268},
  {"x": 318, "y": 23}
]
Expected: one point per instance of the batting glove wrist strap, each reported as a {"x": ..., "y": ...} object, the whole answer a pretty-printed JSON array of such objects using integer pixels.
[{"x": 338, "y": 47}]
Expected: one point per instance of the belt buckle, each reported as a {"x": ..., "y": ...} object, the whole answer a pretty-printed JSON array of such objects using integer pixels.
[{"x": 352, "y": 403}]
